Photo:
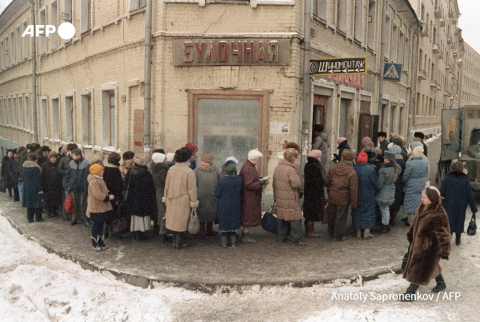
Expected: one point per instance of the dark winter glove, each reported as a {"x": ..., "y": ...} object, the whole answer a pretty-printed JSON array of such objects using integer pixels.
[{"x": 445, "y": 257}]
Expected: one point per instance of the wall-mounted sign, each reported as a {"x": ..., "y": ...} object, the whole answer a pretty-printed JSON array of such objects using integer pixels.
[
  {"x": 338, "y": 66},
  {"x": 392, "y": 71},
  {"x": 231, "y": 52}
]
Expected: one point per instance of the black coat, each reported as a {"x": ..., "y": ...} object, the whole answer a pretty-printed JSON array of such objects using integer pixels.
[
  {"x": 314, "y": 195},
  {"x": 141, "y": 192},
  {"x": 32, "y": 183},
  {"x": 5, "y": 173},
  {"x": 52, "y": 184},
  {"x": 114, "y": 182},
  {"x": 338, "y": 157}
]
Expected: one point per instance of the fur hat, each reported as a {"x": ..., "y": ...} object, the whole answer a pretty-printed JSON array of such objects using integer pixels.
[
  {"x": 317, "y": 154},
  {"x": 340, "y": 140},
  {"x": 193, "y": 148},
  {"x": 389, "y": 155},
  {"x": 362, "y": 157},
  {"x": 52, "y": 154},
  {"x": 182, "y": 155},
  {"x": 290, "y": 154},
  {"x": 292, "y": 145},
  {"x": 432, "y": 193},
  {"x": 158, "y": 157},
  {"x": 45, "y": 148},
  {"x": 348, "y": 155},
  {"x": 457, "y": 166},
  {"x": 254, "y": 154},
  {"x": 170, "y": 156},
  {"x": 96, "y": 169},
  {"x": 114, "y": 158},
  {"x": 366, "y": 141},
  {"x": 207, "y": 158},
  {"x": 395, "y": 149},
  {"x": 96, "y": 158},
  {"x": 128, "y": 155},
  {"x": 417, "y": 152},
  {"x": 141, "y": 159},
  {"x": 419, "y": 135},
  {"x": 384, "y": 134}
]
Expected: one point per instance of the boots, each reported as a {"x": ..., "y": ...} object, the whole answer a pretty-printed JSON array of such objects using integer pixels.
[
  {"x": 359, "y": 233},
  {"x": 408, "y": 296},
  {"x": 95, "y": 245},
  {"x": 440, "y": 284},
  {"x": 458, "y": 237},
  {"x": 385, "y": 229},
  {"x": 233, "y": 239},
  {"x": 101, "y": 244},
  {"x": 393, "y": 217},
  {"x": 223, "y": 241},
  {"x": 310, "y": 229},
  {"x": 210, "y": 231},
  {"x": 179, "y": 241},
  {"x": 367, "y": 234},
  {"x": 202, "y": 232}
]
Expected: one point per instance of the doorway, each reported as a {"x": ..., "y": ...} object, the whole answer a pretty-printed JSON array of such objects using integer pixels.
[{"x": 319, "y": 112}]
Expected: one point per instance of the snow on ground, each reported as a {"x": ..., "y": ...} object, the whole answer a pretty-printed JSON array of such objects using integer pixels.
[{"x": 38, "y": 286}]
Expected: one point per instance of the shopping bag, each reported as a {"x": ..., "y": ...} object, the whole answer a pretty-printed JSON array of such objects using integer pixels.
[
  {"x": 69, "y": 204},
  {"x": 193, "y": 223},
  {"x": 472, "y": 227},
  {"x": 270, "y": 222}
]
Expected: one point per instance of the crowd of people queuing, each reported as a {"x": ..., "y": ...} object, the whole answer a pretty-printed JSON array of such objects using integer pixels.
[{"x": 142, "y": 193}]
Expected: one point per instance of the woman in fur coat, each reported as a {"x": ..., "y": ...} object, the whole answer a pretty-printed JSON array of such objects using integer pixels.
[{"x": 429, "y": 237}]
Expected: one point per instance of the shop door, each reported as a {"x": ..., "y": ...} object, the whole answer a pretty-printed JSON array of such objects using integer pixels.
[
  {"x": 368, "y": 126},
  {"x": 319, "y": 111}
]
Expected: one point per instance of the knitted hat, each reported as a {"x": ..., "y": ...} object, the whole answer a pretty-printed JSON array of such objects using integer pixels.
[
  {"x": 96, "y": 168},
  {"x": 158, "y": 157},
  {"x": 232, "y": 158},
  {"x": 170, "y": 156},
  {"x": 317, "y": 154},
  {"x": 128, "y": 155},
  {"x": 384, "y": 134},
  {"x": 290, "y": 154},
  {"x": 254, "y": 154},
  {"x": 389, "y": 155},
  {"x": 366, "y": 141},
  {"x": 208, "y": 158},
  {"x": 193, "y": 148},
  {"x": 457, "y": 166},
  {"x": 96, "y": 158},
  {"x": 292, "y": 145},
  {"x": 417, "y": 152},
  {"x": 419, "y": 135},
  {"x": 230, "y": 167},
  {"x": 182, "y": 155},
  {"x": 53, "y": 154},
  {"x": 415, "y": 144},
  {"x": 141, "y": 159},
  {"x": 348, "y": 155},
  {"x": 398, "y": 141},
  {"x": 395, "y": 149},
  {"x": 362, "y": 157},
  {"x": 340, "y": 140}
]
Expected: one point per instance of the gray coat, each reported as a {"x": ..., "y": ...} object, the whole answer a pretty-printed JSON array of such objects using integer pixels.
[
  {"x": 386, "y": 184},
  {"x": 206, "y": 182},
  {"x": 321, "y": 143},
  {"x": 414, "y": 180}
]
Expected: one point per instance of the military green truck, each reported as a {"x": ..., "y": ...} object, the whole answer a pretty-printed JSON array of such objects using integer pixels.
[{"x": 461, "y": 141}]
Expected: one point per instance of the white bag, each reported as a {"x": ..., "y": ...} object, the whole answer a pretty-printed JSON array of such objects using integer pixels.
[{"x": 193, "y": 223}]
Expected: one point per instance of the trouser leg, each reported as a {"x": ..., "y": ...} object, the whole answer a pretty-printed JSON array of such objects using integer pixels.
[
  {"x": 296, "y": 231},
  {"x": 340, "y": 221},
  {"x": 16, "y": 194},
  {"x": 30, "y": 214},
  {"x": 331, "y": 212},
  {"x": 385, "y": 211},
  {"x": 97, "y": 229},
  {"x": 38, "y": 214},
  {"x": 282, "y": 230}
]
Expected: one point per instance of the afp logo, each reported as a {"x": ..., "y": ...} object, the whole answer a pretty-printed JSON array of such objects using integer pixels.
[{"x": 66, "y": 30}]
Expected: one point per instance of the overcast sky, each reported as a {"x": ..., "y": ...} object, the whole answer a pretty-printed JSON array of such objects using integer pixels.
[{"x": 469, "y": 21}]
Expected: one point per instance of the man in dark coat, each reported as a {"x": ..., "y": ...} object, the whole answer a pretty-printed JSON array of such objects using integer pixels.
[
  {"x": 75, "y": 184},
  {"x": 14, "y": 169},
  {"x": 418, "y": 137},
  {"x": 52, "y": 184},
  {"x": 382, "y": 140},
  {"x": 32, "y": 188},
  {"x": 43, "y": 154},
  {"x": 342, "y": 144},
  {"x": 63, "y": 167},
  {"x": 458, "y": 193},
  {"x": 314, "y": 195},
  {"x": 251, "y": 195}
]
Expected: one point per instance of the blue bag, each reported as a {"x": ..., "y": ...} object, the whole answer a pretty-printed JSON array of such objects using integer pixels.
[{"x": 270, "y": 222}]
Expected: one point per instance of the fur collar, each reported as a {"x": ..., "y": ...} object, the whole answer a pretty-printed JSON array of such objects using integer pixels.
[{"x": 457, "y": 174}]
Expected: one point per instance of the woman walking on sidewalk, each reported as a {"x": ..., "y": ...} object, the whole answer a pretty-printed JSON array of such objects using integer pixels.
[{"x": 429, "y": 237}]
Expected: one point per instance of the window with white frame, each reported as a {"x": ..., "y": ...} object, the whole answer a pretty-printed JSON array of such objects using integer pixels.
[
  {"x": 372, "y": 20},
  {"x": 69, "y": 119},
  {"x": 55, "y": 122},
  {"x": 341, "y": 15},
  {"x": 44, "y": 118},
  {"x": 43, "y": 39},
  {"x": 67, "y": 11},
  {"x": 27, "y": 113},
  {"x": 320, "y": 9},
  {"x": 358, "y": 20},
  {"x": 7, "y": 52},
  {"x": 109, "y": 118},
  {"x": 12, "y": 48},
  {"x": 25, "y": 42},
  {"x": 10, "y": 111},
  {"x": 137, "y": 4},
  {"x": 408, "y": 51},
  {"x": 87, "y": 119},
  {"x": 20, "y": 112},
  {"x": 401, "y": 49},
  {"x": 86, "y": 15},
  {"x": 54, "y": 21}
]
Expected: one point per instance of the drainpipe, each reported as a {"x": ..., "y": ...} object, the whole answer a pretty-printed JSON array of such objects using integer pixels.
[
  {"x": 382, "y": 60},
  {"x": 305, "y": 135},
  {"x": 34, "y": 75},
  {"x": 412, "y": 111},
  {"x": 147, "y": 146}
]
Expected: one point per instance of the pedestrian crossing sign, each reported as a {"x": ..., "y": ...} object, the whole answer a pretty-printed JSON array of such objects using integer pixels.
[{"x": 392, "y": 71}]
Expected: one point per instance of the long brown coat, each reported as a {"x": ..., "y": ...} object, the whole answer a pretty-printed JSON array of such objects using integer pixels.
[
  {"x": 429, "y": 236},
  {"x": 286, "y": 185},
  {"x": 251, "y": 195},
  {"x": 98, "y": 200},
  {"x": 342, "y": 185},
  {"x": 180, "y": 195}
]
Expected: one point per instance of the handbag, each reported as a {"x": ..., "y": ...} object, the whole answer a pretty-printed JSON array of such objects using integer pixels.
[
  {"x": 40, "y": 202},
  {"x": 405, "y": 258},
  {"x": 3, "y": 186},
  {"x": 270, "y": 222},
  {"x": 193, "y": 222},
  {"x": 69, "y": 204},
  {"x": 472, "y": 226}
]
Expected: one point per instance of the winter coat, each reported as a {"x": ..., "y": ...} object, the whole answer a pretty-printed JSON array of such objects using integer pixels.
[
  {"x": 424, "y": 148},
  {"x": 429, "y": 236},
  {"x": 458, "y": 193},
  {"x": 342, "y": 184},
  {"x": 77, "y": 173},
  {"x": 41, "y": 159},
  {"x": 179, "y": 196},
  {"x": 99, "y": 208},
  {"x": 206, "y": 182},
  {"x": 286, "y": 184},
  {"x": 321, "y": 143},
  {"x": 427, "y": 176},
  {"x": 159, "y": 174},
  {"x": 141, "y": 193},
  {"x": 314, "y": 195},
  {"x": 32, "y": 183},
  {"x": 5, "y": 173},
  {"x": 52, "y": 184},
  {"x": 404, "y": 153},
  {"x": 251, "y": 195},
  {"x": 384, "y": 145},
  {"x": 63, "y": 167},
  {"x": 114, "y": 182},
  {"x": 363, "y": 216},
  {"x": 397, "y": 204},
  {"x": 14, "y": 170},
  {"x": 344, "y": 145},
  {"x": 387, "y": 178},
  {"x": 229, "y": 194},
  {"x": 22, "y": 157},
  {"x": 414, "y": 180}
]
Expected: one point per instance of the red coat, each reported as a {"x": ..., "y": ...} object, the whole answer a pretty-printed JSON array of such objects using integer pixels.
[{"x": 251, "y": 196}]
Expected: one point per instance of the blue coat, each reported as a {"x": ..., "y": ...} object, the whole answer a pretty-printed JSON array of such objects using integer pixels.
[
  {"x": 32, "y": 183},
  {"x": 364, "y": 215},
  {"x": 228, "y": 192},
  {"x": 458, "y": 193},
  {"x": 414, "y": 180}
]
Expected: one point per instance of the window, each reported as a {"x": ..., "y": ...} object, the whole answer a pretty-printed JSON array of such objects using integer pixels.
[
  {"x": 14, "y": 112},
  {"x": 18, "y": 45},
  {"x": 43, "y": 40},
  {"x": 12, "y": 48},
  {"x": 69, "y": 119},
  {"x": 341, "y": 17},
  {"x": 408, "y": 50},
  {"x": 320, "y": 9},
  {"x": 387, "y": 36},
  {"x": 394, "y": 43},
  {"x": 55, "y": 119},
  {"x": 87, "y": 120},
  {"x": 7, "y": 53},
  {"x": 25, "y": 42},
  {"x": 54, "y": 21},
  {"x": 2, "y": 56},
  {"x": 358, "y": 20},
  {"x": 372, "y": 19},
  {"x": 401, "y": 49},
  {"x": 137, "y": 4},
  {"x": 44, "y": 118},
  {"x": 67, "y": 11},
  {"x": 20, "y": 112},
  {"x": 2, "y": 112},
  {"x": 27, "y": 113},
  {"x": 86, "y": 15}
]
